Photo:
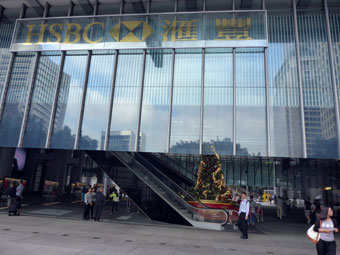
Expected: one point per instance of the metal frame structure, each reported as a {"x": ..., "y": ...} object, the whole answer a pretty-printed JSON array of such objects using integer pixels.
[
  {"x": 333, "y": 75},
  {"x": 268, "y": 136},
  {"x": 299, "y": 73},
  {"x": 112, "y": 93}
]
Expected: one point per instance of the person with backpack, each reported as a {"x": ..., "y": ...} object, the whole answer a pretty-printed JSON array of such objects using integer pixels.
[
  {"x": 243, "y": 216},
  {"x": 326, "y": 227}
]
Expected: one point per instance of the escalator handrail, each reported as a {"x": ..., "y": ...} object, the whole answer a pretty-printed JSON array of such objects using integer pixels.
[{"x": 174, "y": 193}]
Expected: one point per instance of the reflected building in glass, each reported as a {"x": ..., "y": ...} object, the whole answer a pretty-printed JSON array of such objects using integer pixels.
[{"x": 257, "y": 80}]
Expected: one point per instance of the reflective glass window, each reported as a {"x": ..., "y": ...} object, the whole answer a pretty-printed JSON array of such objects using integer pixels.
[
  {"x": 189, "y": 5},
  {"x": 162, "y": 5},
  {"x": 156, "y": 95},
  {"x": 69, "y": 101},
  {"x": 321, "y": 135},
  {"x": 185, "y": 123},
  {"x": 125, "y": 110},
  {"x": 42, "y": 100},
  {"x": 98, "y": 93},
  {"x": 335, "y": 32},
  {"x": 6, "y": 31},
  {"x": 218, "y": 101},
  {"x": 285, "y": 113},
  {"x": 250, "y": 103},
  {"x": 135, "y": 6},
  {"x": 16, "y": 99}
]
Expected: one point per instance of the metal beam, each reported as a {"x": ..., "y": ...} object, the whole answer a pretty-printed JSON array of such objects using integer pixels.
[
  {"x": 299, "y": 73},
  {"x": 29, "y": 99},
  {"x": 234, "y": 101},
  {"x": 86, "y": 6},
  {"x": 55, "y": 101},
  {"x": 37, "y": 6},
  {"x": 46, "y": 10},
  {"x": 333, "y": 75},
  {"x": 1, "y": 12},
  {"x": 83, "y": 99},
  {"x": 140, "y": 101},
  {"x": 6, "y": 84},
  {"x": 171, "y": 98},
  {"x": 112, "y": 93},
  {"x": 70, "y": 9},
  {"x": 202, "y": 102},
  {"x": 267, "y": 103}
]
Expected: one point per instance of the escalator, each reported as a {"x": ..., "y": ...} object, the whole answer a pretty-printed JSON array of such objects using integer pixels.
[{"x": 171, "y": 193}]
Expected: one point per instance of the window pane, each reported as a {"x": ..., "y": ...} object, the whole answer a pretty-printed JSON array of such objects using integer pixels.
[
  {"x": 16, "y": 99},
  {"x": 97, "y": 101},
  {"x": 42, "y": 100},
  {"x": 155, "y": 111},
  {"x": 185, "y": 123},
  {"x": 69, "y": 101},
  {"x": 285, "y": 115},
  {"x": 321, "y": 136},
  {"x": 250, "y": 103},
  {"x": 218, "y": 101},
  {"x": 126, "y": 101},
  {"x": 6, "y": 30},
  {"x": 335, "y": 32}
]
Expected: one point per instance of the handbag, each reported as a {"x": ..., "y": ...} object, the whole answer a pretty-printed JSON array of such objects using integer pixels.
[{"x": 313, "y": 235}]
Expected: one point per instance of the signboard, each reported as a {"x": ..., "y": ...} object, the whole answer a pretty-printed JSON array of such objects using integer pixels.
[{"x": 223, "y": 29}]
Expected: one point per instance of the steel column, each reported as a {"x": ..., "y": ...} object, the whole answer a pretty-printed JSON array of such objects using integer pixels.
[
  {"x": 29, "y": 99},
  {"x": 299, "y": 73},
  {"x": 46, "y": 10},
  {"x": 109, "y": 119},
  {"x": 333, "y": 75},
  {"x": 140, "y": 101},
  {"x": 171, "y": 98},
  {"x": 121, "y": 11},
  {"x": 70, "y": 9},
  {"x": 55, "y": 101},
  {"x": 267, "y": 103},
  {"x": 96, "y": 7},
  {"x": 82, "y": 108},
  {"x": 202, "y": 102},
  {"x": 234, "y": 101},
  {"x": 23, "y": 11}
]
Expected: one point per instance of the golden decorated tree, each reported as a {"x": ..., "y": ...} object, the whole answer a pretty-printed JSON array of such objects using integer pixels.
[{"x": 210, "y": 183}]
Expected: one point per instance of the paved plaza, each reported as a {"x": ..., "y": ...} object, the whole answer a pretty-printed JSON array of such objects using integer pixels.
[{"x": 30, "y": 234}]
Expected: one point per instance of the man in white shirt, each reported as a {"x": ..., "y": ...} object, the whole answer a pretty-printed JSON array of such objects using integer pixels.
[{"x": 243, "y": 213}]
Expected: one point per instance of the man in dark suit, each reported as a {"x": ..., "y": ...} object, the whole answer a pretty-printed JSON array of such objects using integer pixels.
[{"x": 100, "y": 201}]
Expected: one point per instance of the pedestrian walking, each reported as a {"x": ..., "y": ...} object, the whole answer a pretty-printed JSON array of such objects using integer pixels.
[
  {"x": 88, "y": 200},
  {"x": 279, "y": 207},
  {"x": 11, "y": 195},
  {"x": 243, "y": 216},
  {"x": 100, "y": 202},
  {"x": 93, "y": 195},
  {"x": 326, "y": 227},
  {"x": 115, "y": 201},
  {"x": 307, "y": 209},
  {"x": 252, "y": 205},
  {"x": 83, "y": 192},
  {"x": 288, "y": 204}
]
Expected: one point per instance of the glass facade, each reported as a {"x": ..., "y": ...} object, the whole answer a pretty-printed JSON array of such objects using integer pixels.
[{"x": 245, "y": 100}]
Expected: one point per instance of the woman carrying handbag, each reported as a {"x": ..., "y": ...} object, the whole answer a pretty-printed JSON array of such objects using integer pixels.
[{"x": 326, "y": 227}]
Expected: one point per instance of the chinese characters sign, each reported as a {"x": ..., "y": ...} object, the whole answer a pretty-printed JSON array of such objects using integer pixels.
[{"x": 169, "y": 31}]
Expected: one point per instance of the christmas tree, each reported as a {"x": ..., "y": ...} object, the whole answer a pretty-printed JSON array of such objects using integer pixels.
[{"x": 210, "y": 179}]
